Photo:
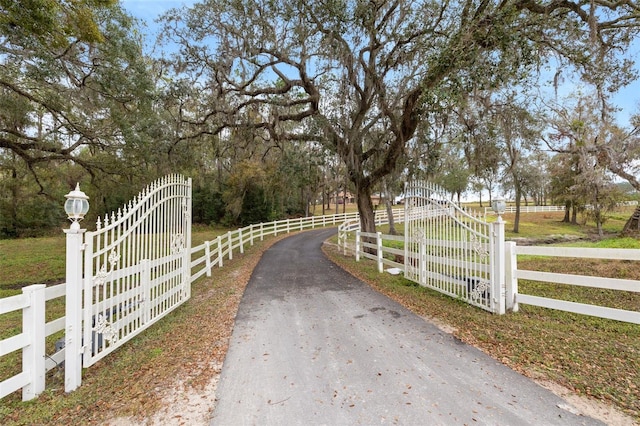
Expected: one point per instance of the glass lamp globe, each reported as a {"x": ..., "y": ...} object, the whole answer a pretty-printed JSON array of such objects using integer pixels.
[
  {"x": 77, "y": 204},
  {"x": 498, "y": 205}
]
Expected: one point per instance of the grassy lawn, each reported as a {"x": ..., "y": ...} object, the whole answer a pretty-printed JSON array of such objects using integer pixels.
[{"x": 592, "y": 357}]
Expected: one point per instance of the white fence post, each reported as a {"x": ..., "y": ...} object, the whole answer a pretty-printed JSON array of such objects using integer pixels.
[
  {"x": 511, "y": 279},
  {"x": 207, "y": 255},
  {"x": 251, "y": 234},
  {"x": 379, "y": 251},
  {"x": 33, "y": 321},
  {"x": 220, "y": 251},
  {"x": 498, "y": 273},
  {"x": 73, "y": 309},
  {"x": 357, "y": 245},
  {"x": 230, "y": 243},
  {"x": 241, "y": 241}
]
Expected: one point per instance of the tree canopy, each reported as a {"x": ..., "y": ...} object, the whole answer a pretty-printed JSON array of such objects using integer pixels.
[
  {"x": 269, "y": 103},
  {"x": 73, "y": 81},
  {"x": 342, "y": 71}
]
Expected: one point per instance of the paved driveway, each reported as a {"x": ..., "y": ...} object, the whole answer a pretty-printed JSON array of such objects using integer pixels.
[{"x": 313, "y": 345}]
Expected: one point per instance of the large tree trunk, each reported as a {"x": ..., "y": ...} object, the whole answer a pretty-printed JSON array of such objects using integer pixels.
[
  {"x": 367, "y": 214},
  {"x": 365, "y": 208},
  {"x": 567, "y": 210}
]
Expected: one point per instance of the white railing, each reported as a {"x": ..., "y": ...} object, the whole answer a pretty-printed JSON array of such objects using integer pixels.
[
  {"x": 347, "y": 230},
  {"x": 453, "y": 250},
  {"x": 31, "y": 341},
  {"x": 542, "y": 209},
  {"x": 383, "y": 254},
  {"x": 136, "y": 271},
  {"x": 528, "y": 209},
  {"x": 514, "y": 274},
  {"x": 212, "y": 253}
]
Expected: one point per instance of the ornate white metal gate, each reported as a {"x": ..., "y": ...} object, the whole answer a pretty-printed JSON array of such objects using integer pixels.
[
  {"x": 451, "y": 250},
  {"x": 136, "y": 266}
]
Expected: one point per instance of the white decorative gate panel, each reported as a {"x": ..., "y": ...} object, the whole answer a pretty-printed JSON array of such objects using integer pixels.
[
  {"x": 137, "y": 266},
  {"x": 447, "y": 248}
]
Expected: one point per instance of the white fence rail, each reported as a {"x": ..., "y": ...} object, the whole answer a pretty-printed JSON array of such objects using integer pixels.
[
  {"x": 212, "y": 253},
  {"x": 573, "y": 280},
  {"x": 384, "y": 255},
  {"x": 31, "y": 341},
  {"x": 527, "y": 209},
  {"x": 542, "y": 209}
]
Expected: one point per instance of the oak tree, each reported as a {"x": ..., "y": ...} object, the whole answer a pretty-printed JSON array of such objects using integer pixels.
[{"x": 343, "y": 71}]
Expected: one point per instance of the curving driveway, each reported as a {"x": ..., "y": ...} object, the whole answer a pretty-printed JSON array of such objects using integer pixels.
[{"x": 312, "y": 345}]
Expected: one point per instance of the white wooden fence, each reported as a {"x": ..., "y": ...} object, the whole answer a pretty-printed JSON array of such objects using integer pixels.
[
  {"x": 31, "y": 341},
  {"x": 514, "y": 274},
  {"x": 543, "y": 209}
]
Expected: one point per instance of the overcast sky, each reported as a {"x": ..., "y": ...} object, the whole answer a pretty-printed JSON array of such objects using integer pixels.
[{"x": 148, "y": 10}]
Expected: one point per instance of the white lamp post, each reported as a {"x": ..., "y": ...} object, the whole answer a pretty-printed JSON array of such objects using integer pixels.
[{"x": 76, "y": 207}]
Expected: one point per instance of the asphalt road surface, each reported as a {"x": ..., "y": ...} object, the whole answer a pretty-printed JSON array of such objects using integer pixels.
[{"x": 312, "y": 345}]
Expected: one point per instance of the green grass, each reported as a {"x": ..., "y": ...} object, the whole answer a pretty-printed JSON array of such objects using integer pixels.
[{"x": 31, "y": 261}]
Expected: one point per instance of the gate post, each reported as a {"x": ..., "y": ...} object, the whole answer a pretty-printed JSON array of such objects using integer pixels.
[
  {"x": 498, "y": 272},
  {"x": 186, "y": 255},
  {"x": 207, "y": 254},
  {"x": 73, "y": 309},
  {"x": 76, "y": 207}
]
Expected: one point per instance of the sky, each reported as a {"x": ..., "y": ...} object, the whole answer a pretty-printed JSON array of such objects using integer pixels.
[{"x": 628, "y": 99}]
